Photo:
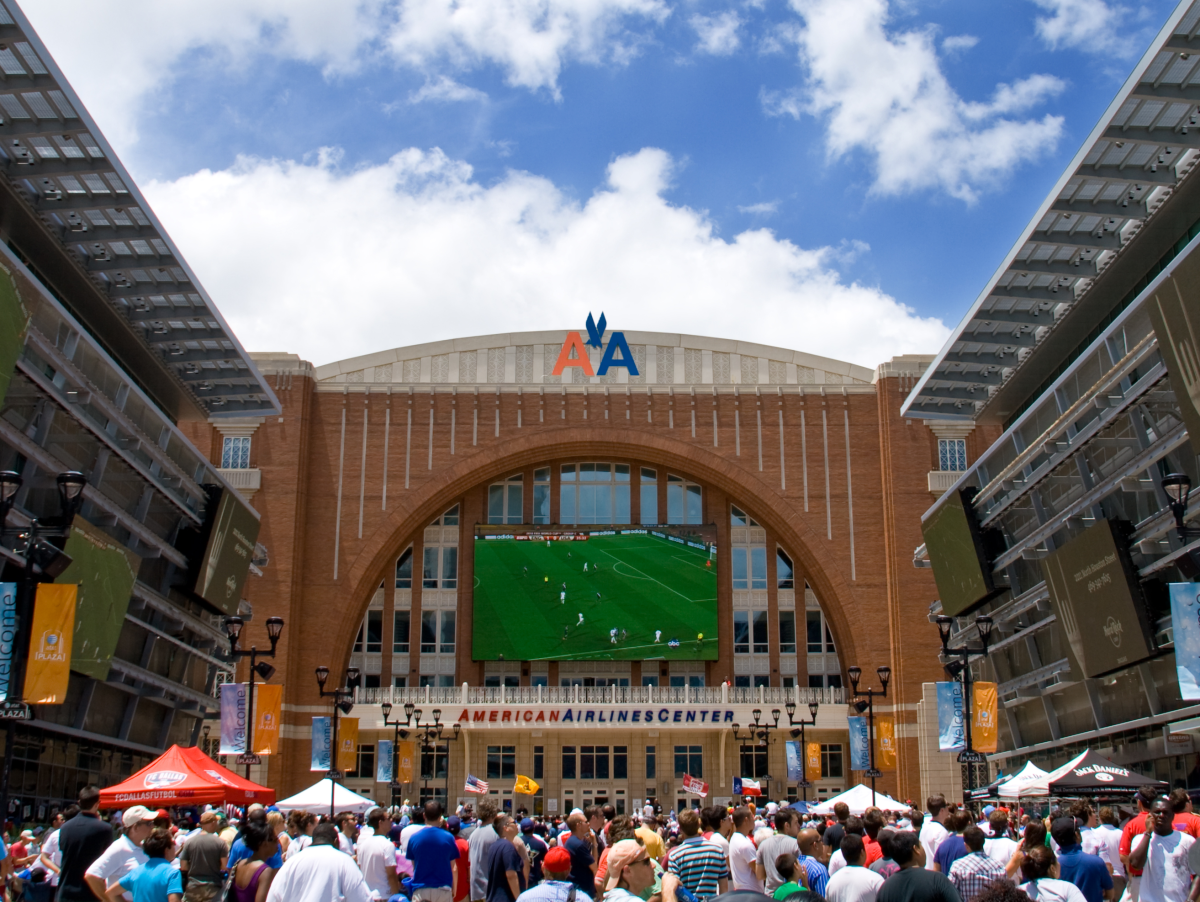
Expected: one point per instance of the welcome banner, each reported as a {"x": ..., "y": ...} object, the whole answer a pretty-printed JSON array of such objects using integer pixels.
[
  {"x": 8, "y": 634},
  {"x": 794, "y": 758},
  {"x": 812, "y": 762},
  {"x": 320, "y": 744},
  {"x": 53, "y": 626},
  {"x": 347, "y": 757},
  {"x": 268, "y": 707},
  {"x": 1185, "y": 627},
  {"x": 233, "y": 719},
  {"x": 860, "y": 744},
  {"x": 951, "y": 735},
  {"x": 885, "y": 743},
  {"x": 405, "y": 753},
  {"x": 984, "y": 710},
  {"x": 383, "y": 761}
]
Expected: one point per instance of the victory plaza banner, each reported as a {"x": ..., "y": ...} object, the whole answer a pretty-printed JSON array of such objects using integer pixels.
[
  {"x": 49, "y": 664},
  {"x": 383, "y": 761},
  {"x": 1185, "y": 626},
  {"x": 406, "y": 753},
  {"x": 347, "y": 758},
  {"x": 795, "y": 761},
  {"x": 885, "y": 743},
  {"x": 321, "y": 727},
  {"x": 812, "y": 762},
  {"x": 268, "y": 706},
  {"x": 860, "y": 744},
  {"x": 984, "y": 727},
  {"x": 233, "y": 719},
  {"x": 8, "y": 634}
]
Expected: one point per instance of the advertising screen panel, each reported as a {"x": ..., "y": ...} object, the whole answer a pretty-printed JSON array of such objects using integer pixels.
[
  {"x": 595, "y": 593},
  {"x": 1175, "y": 312},
  {"x": 233, "y": 530},
  {"x": 956, "y": 549},
  {"x": 105, "y": 571},
  {"x": 1097, "y": 599}
]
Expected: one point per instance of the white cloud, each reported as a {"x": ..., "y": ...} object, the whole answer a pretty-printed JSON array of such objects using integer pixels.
[
  {"x": 718, "y": 35},
  {"x": 761, "y": 209},
  {"x": 959, "y": 43},
  {"x": 529, "y": 40},
  {"x": 445, "y": 90},
  {"x": 884, "y": 93},
  {"x": 1093, "y": 25},
  {"x": 415, "y": 249}
]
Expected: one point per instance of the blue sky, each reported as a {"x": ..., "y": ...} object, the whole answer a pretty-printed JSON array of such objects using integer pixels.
[{"x": 837, "y": 176}]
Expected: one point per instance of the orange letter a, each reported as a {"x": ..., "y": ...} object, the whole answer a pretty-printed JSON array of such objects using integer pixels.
[{"x": 580, "y": 359}]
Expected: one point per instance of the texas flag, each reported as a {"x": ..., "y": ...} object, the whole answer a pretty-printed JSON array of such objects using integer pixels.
[{"x": 746, "y": 787}]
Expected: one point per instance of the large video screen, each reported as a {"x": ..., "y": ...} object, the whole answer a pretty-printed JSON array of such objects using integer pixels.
[
  {"x": 595, "y": 594},
  {"x": 960, "y": 564}
]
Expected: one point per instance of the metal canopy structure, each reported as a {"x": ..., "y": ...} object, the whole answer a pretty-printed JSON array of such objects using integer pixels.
[
  {"x": 1049, "y": 288},
  {"x": 55, "y": 159}
]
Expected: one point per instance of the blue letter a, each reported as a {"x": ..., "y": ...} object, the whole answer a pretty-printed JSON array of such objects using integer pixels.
[{"x": 617, "y": 342}]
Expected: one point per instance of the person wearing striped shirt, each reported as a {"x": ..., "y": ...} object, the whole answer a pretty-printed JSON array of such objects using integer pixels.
[{"x": 697, "y": 864}]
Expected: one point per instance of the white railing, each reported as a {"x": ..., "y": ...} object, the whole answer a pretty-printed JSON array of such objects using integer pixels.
[{"x": 600, "y": 695}]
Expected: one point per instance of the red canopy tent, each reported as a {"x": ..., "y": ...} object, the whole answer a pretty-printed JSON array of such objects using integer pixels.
[{"x": 184, "y": 776}]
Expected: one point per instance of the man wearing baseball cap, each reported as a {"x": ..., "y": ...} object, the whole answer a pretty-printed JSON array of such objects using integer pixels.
[
  {"x": 537, "y": 849},
  {"x": 630, "y": 872},
  {"x": 557, "y": 885},
  {"x": 124, "y": 854}
]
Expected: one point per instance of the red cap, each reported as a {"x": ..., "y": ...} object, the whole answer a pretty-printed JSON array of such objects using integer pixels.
[
  {"x": 163, "y": 813},
  {"x": 557, "y": 860}
]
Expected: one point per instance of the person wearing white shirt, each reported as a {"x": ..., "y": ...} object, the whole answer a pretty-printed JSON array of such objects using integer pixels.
[
  {"x": 1000, "y": 846},
  {"x": 347, "y": 832},
  {"x": 933, "y": 833},
  {"x": 123, "y": 855},
  {"x": 742, "y": 854},
  {"x": 853, "y": 882},
  {"x": 1040, "y": 870},
  {"x": 1162, "y": 853},
  {"x": 418, "y": 823},
  {"x": 50, "y": 859},
  {"x": 1109, "y": 832},
  {"x": 377, "y": 857},
  {"x": 321, "y": 874},
  {"x": 837, "y": 861}
]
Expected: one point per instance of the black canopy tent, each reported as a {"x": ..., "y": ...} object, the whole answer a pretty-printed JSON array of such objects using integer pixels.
[{"x": 1094, "y": 774}]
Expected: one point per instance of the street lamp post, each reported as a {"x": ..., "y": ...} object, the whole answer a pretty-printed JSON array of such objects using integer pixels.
[
  {"x": 44, "y": 562},
  {"x": 233, "y": 628},
  {"x": 757, "y": 734},
  {"x": 427, "y": 739},
  {"x": 855, "y": 674},
  {"x": 802, "y": 723},
  {"x": 343, "y": 702},
  {"x": 970, "y": 760}
]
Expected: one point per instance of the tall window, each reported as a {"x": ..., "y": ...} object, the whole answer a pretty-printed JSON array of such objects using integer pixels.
[
  {"x": 784, "y": 574},
  {"x": 620, "y": 762},
  {"x": 441, "y": 680},
  {"x": 364, "y": 762},
  {"x": 437, "y": 632},
  {"x": 400, "y": 628},
  {"x": 539, "y": 758},
  {"x": 738, "y": 517},
  {"x": 441, "y": 568},
  {"x": 683, "y": 501},
  {"x": 952, "y": 454},
  {"x": 787, "y": 632},
  {"x": 750, "y": 632},
  {"x": 649, "y": 496},
  {"x": 435, "y": 762},
  {"x": 594, "y": 493},
  {"x": 568, "y": 762},
  {"x": 679, "y": 681},
  {"x": 501, "y": 762},
  {"x": 372, "y": 627},
  {"x": 504, "y": 501},
  {"x": 404, "y": 570},
  {"x": 749, "y": 567},
  {"x": 235, "y": 452},
  {"x": 541, "y": 495},
  {"x": 754, "y": 761},
  {"x": 593, "y": 762},
  {"x": 651, "y": 763},
  {"x": 815, "y": 622},
  {"x": 831, "y": 761},
  {"x": 689, "y": 760}
]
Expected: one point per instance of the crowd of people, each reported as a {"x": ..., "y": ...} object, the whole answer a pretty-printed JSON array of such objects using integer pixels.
[{"x": 482, "y": 854}]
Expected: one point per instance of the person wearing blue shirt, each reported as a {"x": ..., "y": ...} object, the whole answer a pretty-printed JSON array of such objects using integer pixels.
[
  {"x": 1086, "y": 871},
  {"x": 240, "y": 852},
  {"x": 433, "y": 852},
  {"x": 156, "y": 880}
]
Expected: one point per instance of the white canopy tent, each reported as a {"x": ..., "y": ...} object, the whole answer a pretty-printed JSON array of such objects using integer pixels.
[
  {"x": 1019, "y": 784},
  {"x": 858, "y": 799},
  {"x": 316, "y": 799},
  {"x": 1039, "y": 785}
]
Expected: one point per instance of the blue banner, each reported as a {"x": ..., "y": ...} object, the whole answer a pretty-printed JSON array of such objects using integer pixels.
[
  {"x": 1185, "y": 626},
  {"x": 8, "y": 634},
  {"x": 951, "y": 735},
  {"x": 383, "y": 761},
  {"x": 794, "y": 755},
  {"x": 860, "y": 743},
  {"x": 321, "y": 727},
  {"x": 233, "y": 719}
]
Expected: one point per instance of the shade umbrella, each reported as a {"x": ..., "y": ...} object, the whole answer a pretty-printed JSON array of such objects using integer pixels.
[
  {"x": 1019, "y": 784},
  {"x": 858, "y": 799},
  {"x": 184, "y": 776},
  {"x": 1093, "y": 774}
]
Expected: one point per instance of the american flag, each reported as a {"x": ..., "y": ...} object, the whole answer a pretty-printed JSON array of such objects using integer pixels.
[{"x": 474, "y": 784}]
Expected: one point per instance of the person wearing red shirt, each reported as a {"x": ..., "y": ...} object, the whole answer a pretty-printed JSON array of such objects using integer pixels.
[
  {"x": 1184, "y": 820},
  {"x": 873, "y": 822},
  {"x": 454, "y": 825}
]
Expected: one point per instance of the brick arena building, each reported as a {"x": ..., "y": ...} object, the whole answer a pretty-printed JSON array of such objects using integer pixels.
[{"x": 372, "y": 483}]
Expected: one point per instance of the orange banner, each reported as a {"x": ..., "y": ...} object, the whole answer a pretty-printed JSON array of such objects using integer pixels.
[
  {"x": 268, "y": 706},
  {"x": 347, "y": 753},
  {"x": 405, "y": 752},
  {"x": 984, "y": 727},
  {"x": 50, "y": 638},
  {"x": 885, "y": 743},
  {"x": 812, "y": 762}
]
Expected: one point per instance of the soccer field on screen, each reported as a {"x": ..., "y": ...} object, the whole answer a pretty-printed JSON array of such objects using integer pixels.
[{"x": 635, "y": 584}]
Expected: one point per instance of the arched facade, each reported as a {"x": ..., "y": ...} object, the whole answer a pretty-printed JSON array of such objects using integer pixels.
[{"x": 809, "y": 454}]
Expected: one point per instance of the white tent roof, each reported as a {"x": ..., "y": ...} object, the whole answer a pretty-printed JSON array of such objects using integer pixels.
[
  {"x": 316, "y": 799},
  {"x": 1018, "y": 784},
  {"x": 1040, "y": 786},
  {"x": 859, "y": 800}
]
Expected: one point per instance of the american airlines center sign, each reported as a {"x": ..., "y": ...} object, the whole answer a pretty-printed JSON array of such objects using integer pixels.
[{"x": 575, "y": 344}]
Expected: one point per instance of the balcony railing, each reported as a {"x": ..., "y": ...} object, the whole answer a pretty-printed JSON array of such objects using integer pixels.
[{"x": 598, "y": 695}]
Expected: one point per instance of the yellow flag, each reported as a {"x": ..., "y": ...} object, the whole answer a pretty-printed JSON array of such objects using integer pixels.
[
  {"x": 885, "y": 742},
  {"x": 812, "y": 762},
  {"x": 53, "y": 628},
  {"x": 984, "y": 729},
  {"x": 268, "y": 704},
  {"x": 347, "y": 755},
  {"x": 405, "y": 752},
  {"x": 525, "y": 786}
]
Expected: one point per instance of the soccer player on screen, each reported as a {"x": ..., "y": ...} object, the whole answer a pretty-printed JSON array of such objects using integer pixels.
[
  {"x": 657, "y": 636},
  {"x": 612, "y": 635},
  {"x": 562, "y": 597},
  {"x": 580, "y": 623}
]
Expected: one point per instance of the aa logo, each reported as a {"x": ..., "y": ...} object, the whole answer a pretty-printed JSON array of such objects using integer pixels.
[{"x": 574, "y": 351}]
